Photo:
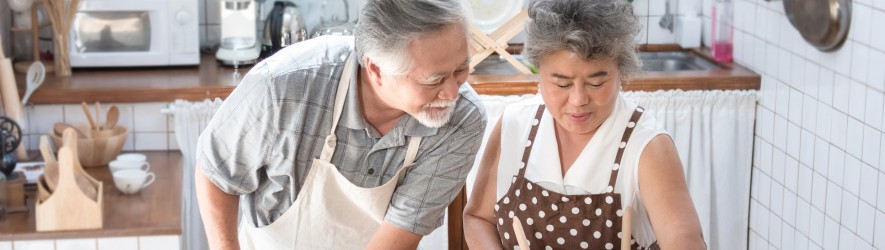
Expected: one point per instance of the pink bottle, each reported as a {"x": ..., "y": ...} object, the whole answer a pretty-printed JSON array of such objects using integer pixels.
[{"x": 723, "y": 16}]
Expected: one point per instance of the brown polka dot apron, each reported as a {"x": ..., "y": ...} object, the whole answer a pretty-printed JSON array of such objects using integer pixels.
[{"x": 557, "y": 221}]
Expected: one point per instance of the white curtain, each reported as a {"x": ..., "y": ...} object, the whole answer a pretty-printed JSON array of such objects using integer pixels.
[
  {"x": 190, "y": 118},
  {"x": 713, "y": 132}
]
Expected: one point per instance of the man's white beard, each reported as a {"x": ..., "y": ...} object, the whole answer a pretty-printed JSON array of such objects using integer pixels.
[{"x": 438, "y": 118}]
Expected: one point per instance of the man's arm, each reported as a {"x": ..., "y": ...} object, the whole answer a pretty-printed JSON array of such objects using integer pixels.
[
  {"x": 392, "y": 237},
  {"x": 219, "y": 212}
]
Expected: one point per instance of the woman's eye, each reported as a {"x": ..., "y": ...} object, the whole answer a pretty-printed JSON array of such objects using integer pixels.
[{"x": 596, "y": 85}]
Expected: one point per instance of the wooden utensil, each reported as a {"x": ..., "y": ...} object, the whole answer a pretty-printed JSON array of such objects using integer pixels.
[
  {"x": 98, "y": 112},
  {"x": 92, "y": 124},
  {"x": 46, "y": 150},
  {"x": 12, "y": 105},
  {"x": 520, "y": 234},
  {"x": 35, "y": 75},
  {"x": 627, "y": 228},
  {"x": 59, "y": 129},
  {"x": 61, "y": 13},
  {"x": 112, "y": 117}
]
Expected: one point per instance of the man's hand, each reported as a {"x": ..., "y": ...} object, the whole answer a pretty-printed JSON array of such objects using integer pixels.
[
  {"x": 392, "y": 237},
  {"x": 219, "y": 212}
]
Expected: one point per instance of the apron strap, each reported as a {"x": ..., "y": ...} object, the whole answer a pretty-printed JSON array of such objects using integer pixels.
[
  {"x": 529, "y": 145},
  {"x": 411, "y": 153},
  {"x": 623, "y": 145},
  {"x": 340, "y": 95}
]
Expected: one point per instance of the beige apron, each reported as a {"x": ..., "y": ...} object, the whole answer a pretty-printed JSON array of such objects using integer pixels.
[{"x": 329, "y": 212}]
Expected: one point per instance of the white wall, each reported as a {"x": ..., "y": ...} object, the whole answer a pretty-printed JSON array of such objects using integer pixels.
[
  {"x": 148, "y": 130},
  {"x": 818, "y": 175},
  {"x": 649, "y": 12}
]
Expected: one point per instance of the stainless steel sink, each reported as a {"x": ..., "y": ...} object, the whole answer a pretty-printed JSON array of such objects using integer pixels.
[
  {"x": 674, "y": 61},
  {"x": 652, "y": 61}
]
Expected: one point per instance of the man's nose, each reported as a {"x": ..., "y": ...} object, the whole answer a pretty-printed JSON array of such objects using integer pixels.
[{"x": 450, "y": 89}]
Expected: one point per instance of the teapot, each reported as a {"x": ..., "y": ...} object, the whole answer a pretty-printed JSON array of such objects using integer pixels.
[{"x": 284, "y": 27}]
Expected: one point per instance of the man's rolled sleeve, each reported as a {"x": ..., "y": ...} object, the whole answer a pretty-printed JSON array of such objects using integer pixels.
[
  {"x": 437, "y": 177},
  {"x": 234, "y": 144}
]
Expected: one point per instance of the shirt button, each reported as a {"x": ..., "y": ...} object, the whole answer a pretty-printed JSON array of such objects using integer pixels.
[{"x": 371, "y": 171}]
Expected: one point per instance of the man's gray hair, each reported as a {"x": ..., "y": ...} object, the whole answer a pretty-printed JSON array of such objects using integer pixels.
[
  {"x": 603, "y": 29},
  {"x": 387, "y": 27}
]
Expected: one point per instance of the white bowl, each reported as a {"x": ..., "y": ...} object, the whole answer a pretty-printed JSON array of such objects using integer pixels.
[{"x": 131, "y": 181}]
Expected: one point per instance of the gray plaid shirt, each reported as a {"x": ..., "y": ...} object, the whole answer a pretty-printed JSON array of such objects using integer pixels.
[{"x": 262, "y": 140}]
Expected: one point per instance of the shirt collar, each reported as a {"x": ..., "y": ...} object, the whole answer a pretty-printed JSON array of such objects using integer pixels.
[{"x": 586, "y": 173}]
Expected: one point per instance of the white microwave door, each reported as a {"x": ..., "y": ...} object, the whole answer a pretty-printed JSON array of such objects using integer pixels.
[{"x": 119, "y": 33}]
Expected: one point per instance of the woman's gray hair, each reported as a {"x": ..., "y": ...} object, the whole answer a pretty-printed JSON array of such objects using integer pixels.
[
  {"x": 594, "y": 29},
  {"x": 387, "y": 27}
]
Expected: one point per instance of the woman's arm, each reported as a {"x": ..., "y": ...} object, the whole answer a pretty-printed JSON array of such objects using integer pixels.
[
  {"x": 665, "y": 196},
  {"x": 479, "y": 218}
]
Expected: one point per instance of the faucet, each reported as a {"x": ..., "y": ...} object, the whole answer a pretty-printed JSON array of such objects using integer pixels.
[{"x": 667, "y": 20}]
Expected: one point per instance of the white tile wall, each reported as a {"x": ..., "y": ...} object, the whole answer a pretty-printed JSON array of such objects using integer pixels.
[
  {"x": 161, "y": 242},
  {"x": 33, "y": 245},
  {"x": 118, "y": 243},
  {"x": 148, "y": 128},
  {"x": 649, "y": 12},
  {"x": 839, "y": 179},
  {"x": 76, "y": 244},
  {"x": 165, "y": 242}
]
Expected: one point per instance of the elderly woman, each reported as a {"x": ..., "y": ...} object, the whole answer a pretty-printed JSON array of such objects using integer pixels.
[{"x": 569, "y": 168}]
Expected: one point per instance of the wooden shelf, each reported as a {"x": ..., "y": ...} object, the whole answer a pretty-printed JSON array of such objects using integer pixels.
[{"x": 210, "y": 80}]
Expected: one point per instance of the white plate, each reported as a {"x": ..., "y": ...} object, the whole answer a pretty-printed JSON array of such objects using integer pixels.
[{"x": 488, "y": 15}]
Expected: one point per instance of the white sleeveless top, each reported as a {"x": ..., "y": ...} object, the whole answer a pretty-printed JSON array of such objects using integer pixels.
[{"x": 592, "y": 169}]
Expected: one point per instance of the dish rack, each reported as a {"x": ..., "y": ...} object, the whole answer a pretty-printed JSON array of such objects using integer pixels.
[{"x": 482, "y": 45}]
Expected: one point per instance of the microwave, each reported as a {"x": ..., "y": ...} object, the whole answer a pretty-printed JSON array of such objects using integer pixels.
[{"x": 135, "y": 33}]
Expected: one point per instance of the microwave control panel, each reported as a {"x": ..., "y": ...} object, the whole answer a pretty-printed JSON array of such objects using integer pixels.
[{"x": 185, "y": 41}]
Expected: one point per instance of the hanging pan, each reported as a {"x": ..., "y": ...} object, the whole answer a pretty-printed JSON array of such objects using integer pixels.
[{"x": 823, "y": 23}]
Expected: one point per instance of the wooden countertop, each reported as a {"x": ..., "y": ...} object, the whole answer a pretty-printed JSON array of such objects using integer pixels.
[
  {"x": 155, "y": 210},
  {"x": 210, "y": 80}
]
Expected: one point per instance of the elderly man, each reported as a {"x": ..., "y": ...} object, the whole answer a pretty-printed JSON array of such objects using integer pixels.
[{"x": 346, "y": 142}]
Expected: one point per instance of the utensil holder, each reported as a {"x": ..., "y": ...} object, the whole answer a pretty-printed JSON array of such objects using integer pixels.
[{"x": 68, "y": 207}]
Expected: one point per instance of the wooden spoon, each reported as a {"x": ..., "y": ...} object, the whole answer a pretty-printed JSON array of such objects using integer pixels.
[
  {"x": 112, "y": 117},
  {"x": 92, "y": 124},
  {"x": 59, "y": 129}
]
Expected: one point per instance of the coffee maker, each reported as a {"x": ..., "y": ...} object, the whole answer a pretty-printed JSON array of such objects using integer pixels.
[{"x": 239, "y": 39}]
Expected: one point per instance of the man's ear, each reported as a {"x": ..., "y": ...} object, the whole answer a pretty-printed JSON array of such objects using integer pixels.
[{"x": 373, "y": 71}]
